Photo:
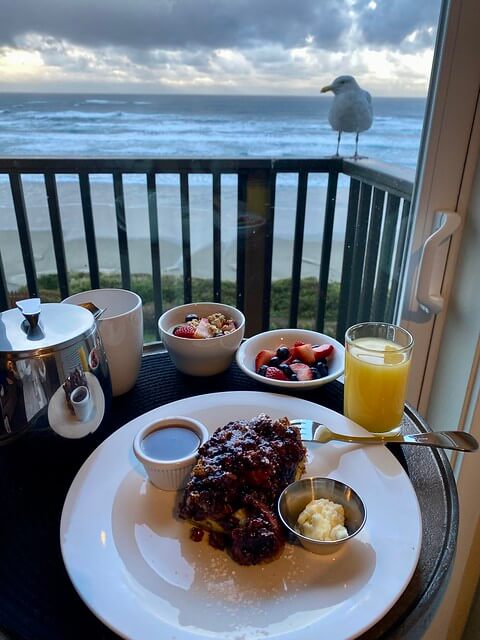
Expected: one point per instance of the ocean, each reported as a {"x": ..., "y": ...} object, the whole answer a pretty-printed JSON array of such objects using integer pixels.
[
  {"x": 74, "y": 125},
  {"x": 199, "y": 126}
]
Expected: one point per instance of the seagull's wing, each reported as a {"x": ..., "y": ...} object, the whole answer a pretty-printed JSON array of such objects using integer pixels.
[
  {"x": 351, "y": 111},
  {"x": 369, "y": 106}
]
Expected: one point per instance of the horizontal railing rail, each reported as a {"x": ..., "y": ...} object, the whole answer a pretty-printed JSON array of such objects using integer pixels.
[
  {"x": 167, "y": 165},
  {"x": 375, "y": 233}
]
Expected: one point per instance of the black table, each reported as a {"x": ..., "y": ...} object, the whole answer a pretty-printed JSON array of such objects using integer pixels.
[{"x": 37, "y": 599}]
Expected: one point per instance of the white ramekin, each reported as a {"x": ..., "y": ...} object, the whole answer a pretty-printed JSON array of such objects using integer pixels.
[{"x": 170, "y": 475}]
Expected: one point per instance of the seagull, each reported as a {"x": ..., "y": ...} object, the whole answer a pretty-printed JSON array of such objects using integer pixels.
[{"x": 351, "y": 109}]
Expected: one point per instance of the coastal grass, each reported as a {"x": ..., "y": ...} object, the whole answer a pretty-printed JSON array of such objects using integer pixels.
[{"x": 202, "y": 290}]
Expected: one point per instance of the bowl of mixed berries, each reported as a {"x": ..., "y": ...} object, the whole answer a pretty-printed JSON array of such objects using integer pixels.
[
  {"x": 202, "y": 337},
  {"x": 291, "y": 357}
]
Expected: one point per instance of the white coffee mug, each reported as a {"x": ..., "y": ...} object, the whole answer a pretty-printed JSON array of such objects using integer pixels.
[{"x": 121, "y": 329}]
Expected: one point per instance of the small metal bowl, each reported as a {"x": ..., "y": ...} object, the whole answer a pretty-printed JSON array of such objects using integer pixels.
[{"x": 297, "y": 495}]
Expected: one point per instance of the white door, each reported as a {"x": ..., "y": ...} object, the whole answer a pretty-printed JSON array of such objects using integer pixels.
[{"x": 446, "y": 279}]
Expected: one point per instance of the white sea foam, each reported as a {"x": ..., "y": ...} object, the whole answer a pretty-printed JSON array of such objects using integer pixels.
[
  {"x": 100, "y": 101},
  {"x": 201, "y": 126}
]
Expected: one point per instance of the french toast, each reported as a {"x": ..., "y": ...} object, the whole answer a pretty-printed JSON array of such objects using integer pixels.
[{"x": 234, "y": 486}]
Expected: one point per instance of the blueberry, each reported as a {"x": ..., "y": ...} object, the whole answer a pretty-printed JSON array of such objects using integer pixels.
[
  {"x": 322, "y": 370},
  {"x": 286, "y": 370},
  {"x": 262, "y": 370},
  {"x": 322, "y": 361},
  {"x": 315, "y": 373},
  {"x": 191, "y": 316},
  {"x": 283, "y": 353},
  {"x": 296, "y": 361},
  {"x": 274, "y": 362},
  {"x": 294, "y": 377}
]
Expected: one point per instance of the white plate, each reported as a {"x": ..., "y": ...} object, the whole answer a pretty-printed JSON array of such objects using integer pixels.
[
  {"x": 133, "y": 563},
  {"x": 249, "y": 349}
]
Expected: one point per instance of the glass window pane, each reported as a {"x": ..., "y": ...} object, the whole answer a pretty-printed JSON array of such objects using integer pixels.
[{"x": 198, "y": 110}]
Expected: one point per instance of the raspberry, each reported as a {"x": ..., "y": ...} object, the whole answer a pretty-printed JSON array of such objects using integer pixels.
[{"x": 275, "y": 374}]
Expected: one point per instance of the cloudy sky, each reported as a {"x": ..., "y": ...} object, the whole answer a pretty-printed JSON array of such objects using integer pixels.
[{"x": 216, "y": 46}]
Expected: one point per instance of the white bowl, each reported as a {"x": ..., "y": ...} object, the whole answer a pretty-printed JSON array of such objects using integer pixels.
[
  {"x": 169, "y": 475},
  {"x": 201, "y": 357},
  {"x": 273, "y": 339}
]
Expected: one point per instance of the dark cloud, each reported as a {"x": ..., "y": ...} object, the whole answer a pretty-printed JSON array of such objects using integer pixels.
[
  {"x": 177, "y": 24},
  {"x": 391, "y": 22},
  {"x": 213, "y": 45}
]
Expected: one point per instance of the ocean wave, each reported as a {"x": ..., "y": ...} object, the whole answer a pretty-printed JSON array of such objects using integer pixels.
[
  {"x": 104, "y": 101},
  {"x": 55, "y": 116},
  {"x": 207, "y": 126}
]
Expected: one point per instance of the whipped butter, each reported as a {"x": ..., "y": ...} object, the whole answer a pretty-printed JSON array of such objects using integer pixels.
[{"x": 322, "y": 520}]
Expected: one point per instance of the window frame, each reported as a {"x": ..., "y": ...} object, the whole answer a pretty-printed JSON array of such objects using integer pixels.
[{"x": 446, "y": 169}]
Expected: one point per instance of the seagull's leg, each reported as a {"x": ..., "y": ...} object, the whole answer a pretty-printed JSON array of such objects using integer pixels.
[
  {"x": 338, "y": 142},
  {"x": 355, "y": 157}
]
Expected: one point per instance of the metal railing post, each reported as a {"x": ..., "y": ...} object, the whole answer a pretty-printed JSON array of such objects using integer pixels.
[
  {"x": 254, "y": 247},
  {"x": 24, "y": 233},
  {"x": 4, "y": 301},
  {"x": 369, "y": 281},
  {"x": 57, "y": 233}
]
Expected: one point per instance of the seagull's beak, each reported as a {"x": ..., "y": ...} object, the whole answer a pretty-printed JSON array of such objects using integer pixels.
[{"x": 325, "y": 89}]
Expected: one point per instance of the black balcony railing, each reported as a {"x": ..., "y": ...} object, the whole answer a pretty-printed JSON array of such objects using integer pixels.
[{"x": 375, "y": 233}]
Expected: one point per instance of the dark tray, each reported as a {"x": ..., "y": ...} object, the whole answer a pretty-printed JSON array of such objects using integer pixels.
[{"x": 37, "y": 599}]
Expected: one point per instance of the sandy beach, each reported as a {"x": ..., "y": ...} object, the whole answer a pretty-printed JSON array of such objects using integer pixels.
[{"x": 169, "y": 228}]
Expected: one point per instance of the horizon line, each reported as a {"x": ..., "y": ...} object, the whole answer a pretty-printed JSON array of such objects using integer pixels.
[{"x": 196, "y": 95}]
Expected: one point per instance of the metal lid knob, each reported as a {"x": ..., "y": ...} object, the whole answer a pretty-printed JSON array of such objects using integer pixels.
[{"x": 30, "y": 309}]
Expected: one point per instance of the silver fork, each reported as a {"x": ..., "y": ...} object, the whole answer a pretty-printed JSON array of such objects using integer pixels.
[{"x": 312, "y": 431}]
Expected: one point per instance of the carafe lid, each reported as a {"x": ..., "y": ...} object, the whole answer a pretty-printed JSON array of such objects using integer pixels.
[{"x": 39, "y": 327}]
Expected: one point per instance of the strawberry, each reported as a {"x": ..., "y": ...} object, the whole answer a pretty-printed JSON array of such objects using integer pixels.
[
  {"x": 184, "y": 331},
  {"x": 302, "y": 371},
  {"x": 298, "y": 343},
  {"x": 263, "y": 357},
  {"x": 275, "y": 374},
  {"x": 203, "y": 329},
  {"x": 304, "y": 352},
  {"x": 322, "y": 351}
]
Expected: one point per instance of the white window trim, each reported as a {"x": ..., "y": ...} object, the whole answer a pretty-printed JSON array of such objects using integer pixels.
[
  {"x": 448, "y": 177},
  {"x": 445, "y": 176}
]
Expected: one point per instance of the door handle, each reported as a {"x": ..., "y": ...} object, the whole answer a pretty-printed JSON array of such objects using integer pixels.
[{"x": 433, "y": 260}]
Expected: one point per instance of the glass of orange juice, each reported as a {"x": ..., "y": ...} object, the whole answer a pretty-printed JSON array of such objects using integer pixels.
[{"x": 377, "y": 362}]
